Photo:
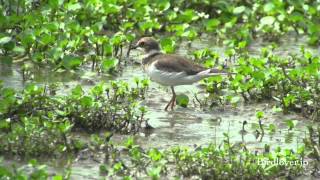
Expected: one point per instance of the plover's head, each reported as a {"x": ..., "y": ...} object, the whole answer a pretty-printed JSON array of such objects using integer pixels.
[{"x": 147, "y": 44}]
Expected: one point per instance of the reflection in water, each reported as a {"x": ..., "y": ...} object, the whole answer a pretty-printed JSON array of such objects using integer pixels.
[{"x": 5, "y": 69}]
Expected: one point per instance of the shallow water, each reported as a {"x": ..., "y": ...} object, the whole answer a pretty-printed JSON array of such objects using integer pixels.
[{"x": 190, "y": 126}]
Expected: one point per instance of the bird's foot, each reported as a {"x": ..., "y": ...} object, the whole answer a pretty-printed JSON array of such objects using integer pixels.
[{"x": 171, "y": 103}]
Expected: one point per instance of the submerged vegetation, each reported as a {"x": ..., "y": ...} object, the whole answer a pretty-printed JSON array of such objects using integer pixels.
[{"x": 41, "y": 120}]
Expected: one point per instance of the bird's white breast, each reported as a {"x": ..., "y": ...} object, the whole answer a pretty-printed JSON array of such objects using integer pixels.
[{"x": 171, "y": 78}]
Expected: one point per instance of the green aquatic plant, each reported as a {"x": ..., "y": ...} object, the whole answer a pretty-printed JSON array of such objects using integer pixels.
[
  {"x": 40, "y": 121},
  {"x": 37, "y": 172},
  {"x": 70, "y": 35},
  {"x": 260, "y": 115},
  {"x": 51, "y": 32},
  {"x": 182, "y": 100},
  {"x": 206, "y": 162},
  {"x": 290, "y": 81},
  {"x": 168, "y": 45}
]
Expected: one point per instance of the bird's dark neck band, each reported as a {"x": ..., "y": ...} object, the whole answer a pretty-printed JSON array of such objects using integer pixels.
[{"x": 149, "y": 56}]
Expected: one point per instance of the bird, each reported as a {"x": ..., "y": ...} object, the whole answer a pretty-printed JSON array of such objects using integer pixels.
[{"x": 170, "y": 69}]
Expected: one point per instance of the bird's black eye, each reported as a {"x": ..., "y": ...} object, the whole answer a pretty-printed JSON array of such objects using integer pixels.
[{"x": 141, "y": 44}]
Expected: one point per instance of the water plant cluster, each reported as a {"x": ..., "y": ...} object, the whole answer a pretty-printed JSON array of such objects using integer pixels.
[
  {"x": 291, "y": 81},
  {"x": 67, "y": 34},
  {"x": 37, "y": 121},
  {"x": 223, "y": 161}
]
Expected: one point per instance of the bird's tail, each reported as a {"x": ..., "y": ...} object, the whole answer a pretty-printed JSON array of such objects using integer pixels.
[{"x": 213, "y": 72}]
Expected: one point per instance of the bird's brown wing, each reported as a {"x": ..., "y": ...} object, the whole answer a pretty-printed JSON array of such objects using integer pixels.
[{"x": 175, "y": 63}]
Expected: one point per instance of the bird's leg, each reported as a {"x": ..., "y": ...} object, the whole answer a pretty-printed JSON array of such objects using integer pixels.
[
  {"x": 166, "y": 108},
  {"x": 171, "y": 100}
]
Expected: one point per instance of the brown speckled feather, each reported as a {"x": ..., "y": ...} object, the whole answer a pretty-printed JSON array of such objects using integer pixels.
[{"x": 175, "y": 63}]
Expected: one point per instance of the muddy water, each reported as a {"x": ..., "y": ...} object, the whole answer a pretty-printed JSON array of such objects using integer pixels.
[{"x": 190, "y": 126}]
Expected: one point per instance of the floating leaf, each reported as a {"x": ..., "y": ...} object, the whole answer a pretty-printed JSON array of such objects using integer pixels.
[{"x": 182, "y": 100}]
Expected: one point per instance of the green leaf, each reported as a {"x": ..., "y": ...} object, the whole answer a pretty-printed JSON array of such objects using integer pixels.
[
  {"x": 5, "y": 40},
  {"x": 19, "y": 50},
  {"x": 154, "y": 172},
  {"x": 182, "y": 100},
  {"x": 260, "y": 114},
  {"x": 86, "y": 101},
  {"x": 267, "y": 20},
  {"x": 212, "y": 24},
  {"x": 188, "y": 16},
  {"x": 272, "y": 128},
  {"x": 73, "y": 7},
  {"x": 163, "y": 5},
  {"x": 149, "y": 25},
  {"x": 9, "y": 46},
  {"x": 168, "y": 45},
  {"x": 239, "y": 10},
  {"x": 110, "y": 8},
  {"x": 55, "y": 53},
  {"x": 37, "y": 57},
  {"x": 57, "y": 177},
  {"x": 108, "y": 48},
  {"x": 54, "y": 4},
  {"x": 71, "y": 62},
  {"x": 109, "y": 64},
  {"x": 77, "y": 91},
  {"x": 46, "y": 39},
  {"x": 291, "y": 123},
  {"x": 27, "y": 39},
  {"x": 268, "y": 7}
]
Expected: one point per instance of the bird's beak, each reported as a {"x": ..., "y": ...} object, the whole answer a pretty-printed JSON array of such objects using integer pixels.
[{"x": 134, "y": 46}]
